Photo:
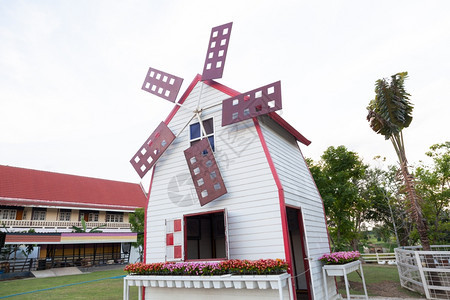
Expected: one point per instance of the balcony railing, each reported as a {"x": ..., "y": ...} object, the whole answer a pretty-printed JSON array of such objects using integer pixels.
[{"x": 61, "y": 224}]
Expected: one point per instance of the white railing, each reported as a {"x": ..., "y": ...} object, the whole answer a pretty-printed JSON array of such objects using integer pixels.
[
  {"x": 425, "y": 272},
  {"x": 380, "y": 258},
  {"x": 60, "y": 224},
  {"x": 241, "y": 282}
]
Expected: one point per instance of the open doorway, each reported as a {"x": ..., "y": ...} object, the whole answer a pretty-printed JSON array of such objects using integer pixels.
[{"x": 300, "y": 266}]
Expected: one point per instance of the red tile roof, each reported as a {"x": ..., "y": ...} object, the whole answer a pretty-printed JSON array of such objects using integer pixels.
[{"x": 26, "y": 187}]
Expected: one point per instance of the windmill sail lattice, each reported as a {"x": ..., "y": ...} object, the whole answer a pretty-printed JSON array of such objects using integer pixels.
[
  {"x": 217, "y": 52},
  {"x": 254, "y": 103},
  {"x": 201, "y": 162},
  {"x": 152, "y": 149},
  {"x": 162, "y": 84},
  {"x": 204, "y": 171}
]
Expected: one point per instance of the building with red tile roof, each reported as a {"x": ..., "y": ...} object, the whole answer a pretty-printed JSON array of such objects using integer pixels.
[{"x": 52, "y": 203}]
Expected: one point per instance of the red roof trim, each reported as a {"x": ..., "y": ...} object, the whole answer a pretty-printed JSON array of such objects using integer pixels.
[
  {"x": 222, "y": 88},
  {"x": 284, "y": 224},
  {"x": 183, "y": 98},
  {"x": 277, "y": 118},
  {"x": 283, "y": 123}
]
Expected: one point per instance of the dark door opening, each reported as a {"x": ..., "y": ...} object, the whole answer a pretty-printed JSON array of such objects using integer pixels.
[{"x": 300, "y": 265}]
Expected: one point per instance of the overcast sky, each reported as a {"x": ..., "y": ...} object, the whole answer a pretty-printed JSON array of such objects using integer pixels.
[{"x": 71, "y": 72}]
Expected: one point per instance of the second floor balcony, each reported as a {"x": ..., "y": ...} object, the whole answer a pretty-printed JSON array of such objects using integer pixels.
[{"x": 20, "y": 225}]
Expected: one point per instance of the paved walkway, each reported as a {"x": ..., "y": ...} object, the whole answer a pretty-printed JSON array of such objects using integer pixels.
[{"x": 73, "y": 271}]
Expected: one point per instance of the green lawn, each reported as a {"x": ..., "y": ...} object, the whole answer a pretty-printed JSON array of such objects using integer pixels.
[
  {"x": 377, "y": 277},
  {"x": 99, "y": 289}
]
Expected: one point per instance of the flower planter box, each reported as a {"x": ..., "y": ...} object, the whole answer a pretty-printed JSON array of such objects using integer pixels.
[
  {"x": 343, "y": 270},
  {"x": 246, "y": 282},
  {"x": 340, "y": 270}
]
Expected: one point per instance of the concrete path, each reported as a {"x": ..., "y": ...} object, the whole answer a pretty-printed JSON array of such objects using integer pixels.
[{"x": 56, "y": 272}]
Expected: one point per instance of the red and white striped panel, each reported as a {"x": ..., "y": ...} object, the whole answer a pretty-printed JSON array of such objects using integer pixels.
[{"x": 174, "y": 240}]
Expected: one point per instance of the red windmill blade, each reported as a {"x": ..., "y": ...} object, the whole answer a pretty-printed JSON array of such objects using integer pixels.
[
  {"x": 217, "y": 52},
  {"x": 162, "y": 84},
  {"x": 152, "y": 149},
  {"x": 260, "y": 101},
  {"x": 204, "y": 171}
]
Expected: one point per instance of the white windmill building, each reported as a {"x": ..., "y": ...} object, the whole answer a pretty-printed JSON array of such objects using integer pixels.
[{"x": 229, "y": 181}]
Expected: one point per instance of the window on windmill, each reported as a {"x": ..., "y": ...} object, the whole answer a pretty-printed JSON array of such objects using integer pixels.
[
  {"x": 205, "y": 236},
  {"x": 196, "y": 133}
]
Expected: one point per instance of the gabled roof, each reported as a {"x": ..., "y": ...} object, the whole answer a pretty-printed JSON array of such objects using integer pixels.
[
  {"x": 276, "y": 117},
  {"x": 26, "y": 187}
]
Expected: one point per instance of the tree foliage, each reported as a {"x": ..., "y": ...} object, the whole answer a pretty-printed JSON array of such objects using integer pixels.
[
  {"x": 137, "y": 221},
  {"x": 388, "y": 114},
  {"x": 83, "y": 228},
  {"x": 433, "y": 184},
  {"x": 338, "y": 177}
]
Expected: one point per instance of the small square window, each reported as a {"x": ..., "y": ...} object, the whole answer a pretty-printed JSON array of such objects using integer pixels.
[{"x": 213, "y": 174}]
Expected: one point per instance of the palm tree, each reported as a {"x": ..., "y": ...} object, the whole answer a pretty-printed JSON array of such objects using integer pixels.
[{"x": 389, "y": 113}]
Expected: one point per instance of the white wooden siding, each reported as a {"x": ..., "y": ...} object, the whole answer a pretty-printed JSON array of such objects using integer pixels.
[
  {"x": 253, "y": 212},
  {"x": 300, "y": 191}
]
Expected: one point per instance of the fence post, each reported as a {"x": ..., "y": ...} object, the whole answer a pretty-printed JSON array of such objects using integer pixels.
[
  {"x": 378, "y": 260},
  {"x": 422, "y": 275}
]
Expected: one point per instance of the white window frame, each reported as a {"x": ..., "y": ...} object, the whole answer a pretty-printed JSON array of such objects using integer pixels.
[
  {"x": 39, "y": 215},
  {"x": 202, "y": 136},
  {"x": 93, "y": 217},
  {"x": 114, "y": 217},
  {"x": 8, "y": 214},
  {"x": 65, "y": 215}
]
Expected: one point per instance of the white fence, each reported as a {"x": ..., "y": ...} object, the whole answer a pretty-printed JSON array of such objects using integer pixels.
[
  {"x": 380, "y": 258},
  {"x": 425, "y": 272}
]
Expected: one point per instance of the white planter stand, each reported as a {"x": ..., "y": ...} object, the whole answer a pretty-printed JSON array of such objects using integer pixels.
[
  {"x": 343, "y": 270},
  {"x": 275, "y": 282}
]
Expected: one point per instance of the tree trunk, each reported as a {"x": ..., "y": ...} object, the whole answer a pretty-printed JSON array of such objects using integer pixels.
[{"x": 416, "y": 209}]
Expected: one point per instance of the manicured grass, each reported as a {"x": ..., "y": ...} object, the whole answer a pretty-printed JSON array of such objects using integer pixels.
[
  {"x": 99, "y": 289},
  {"x": 374, "y": 276},
  {"x": 109, "y": 289}
]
